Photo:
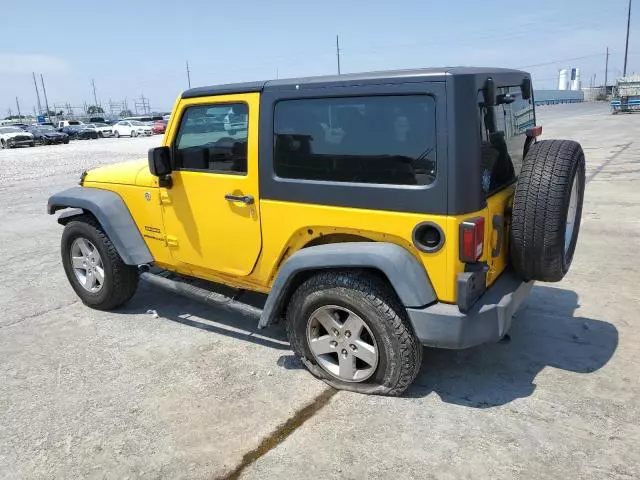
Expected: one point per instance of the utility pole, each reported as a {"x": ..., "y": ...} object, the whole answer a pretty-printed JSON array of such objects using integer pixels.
[
  {"x": 626, "y": 48},
  {"x": 606, "y": 71},
  {"x": 18, "y": 105},
  {"x": 95, "y": 98},
  {"x": 46, "y": 102},
  {"x": 188, "y": 74},
  {"x": 37, "y": 94},
  {"x": 338, "y": 52}
]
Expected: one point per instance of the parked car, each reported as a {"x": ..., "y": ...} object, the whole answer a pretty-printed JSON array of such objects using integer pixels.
[
  {"x": 15, "y": 137},
  {"x": 79, "y": 132},
  {"x": 131, "y": 128},
  {"x": 45, "y": 135},
  {"x": 103, "y": 129},
  {"x": 159, "y": 127},
  {"x": 66, "y": 123}
]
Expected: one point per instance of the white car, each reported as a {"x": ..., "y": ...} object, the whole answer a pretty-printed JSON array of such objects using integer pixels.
[
  {"x": 14, "y": 137},
  {"x": 131, "y": 128},
  {"x": 103, "y": 129}
]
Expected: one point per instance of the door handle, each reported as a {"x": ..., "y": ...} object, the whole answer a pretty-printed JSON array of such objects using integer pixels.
[
  {"x": 498, "y": 224},
  {"x": 246, "y": 199}
]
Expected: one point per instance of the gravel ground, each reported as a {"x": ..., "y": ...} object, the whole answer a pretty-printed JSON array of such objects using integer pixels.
[{"x": 198, "y": 393}]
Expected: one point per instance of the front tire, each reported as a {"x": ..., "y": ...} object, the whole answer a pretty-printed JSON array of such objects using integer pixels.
[
  {"x": 93, "y": 267},
  {"x": 351, "y": 331},
  {"x": 117, "y": 134}
]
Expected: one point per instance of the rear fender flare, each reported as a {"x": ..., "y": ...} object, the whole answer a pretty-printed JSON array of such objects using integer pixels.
[
  {"x": 405, "y": 273},
  {"x": 113, "y": 215}
]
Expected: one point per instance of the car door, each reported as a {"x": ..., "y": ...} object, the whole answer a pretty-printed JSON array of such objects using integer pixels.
[{"x": 211, "y": 210}]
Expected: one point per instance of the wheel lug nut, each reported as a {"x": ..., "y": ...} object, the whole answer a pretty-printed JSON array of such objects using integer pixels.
[
  {"x": 344, "y": 352},
  {"x": 333, "y": 343},
  {"x": 347, "y": 334},
  {"x": 336, "y": 332},
  {"x": 353, "y": 347}
]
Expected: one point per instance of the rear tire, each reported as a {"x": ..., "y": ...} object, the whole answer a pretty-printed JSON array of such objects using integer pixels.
[
  {"x": 547, "y": 208},
  {"x": 370, "y": 300},
  {"x": 120, "y": 280},
  {"x": 134, "y": 133}
]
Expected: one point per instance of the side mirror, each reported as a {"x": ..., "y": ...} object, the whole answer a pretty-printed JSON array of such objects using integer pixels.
[
  {"x": 489, "y": 93},
  {"x": 526, "y": 88},
  {"x": 160, "y": 161}
]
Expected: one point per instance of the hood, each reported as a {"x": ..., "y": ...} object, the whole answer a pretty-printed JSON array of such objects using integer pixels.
[
  {"x": 135, "y": 172},
  {"x": 15, "y": 134}
]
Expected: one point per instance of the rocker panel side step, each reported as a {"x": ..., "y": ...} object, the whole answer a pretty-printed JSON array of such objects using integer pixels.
[{"x": 200, "y": 294}]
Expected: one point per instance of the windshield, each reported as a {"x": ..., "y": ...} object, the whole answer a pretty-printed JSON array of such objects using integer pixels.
[
  {"x": 10, "y": 130},
  {"x": 45, "y": 128},
  {"x": 74, "y": 122},
  {"x": 136, "y": 123}
]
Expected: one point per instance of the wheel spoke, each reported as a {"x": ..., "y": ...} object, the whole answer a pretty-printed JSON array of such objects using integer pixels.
[
  {"x": 327, "y": 321},
  {"x": 84, "y": 247},
  {"x": 90, "y": 281},
  {"x": 78, "y": 262},
  {"x": 99, "y": 274},
  {"x": 353, "y": 324},
  {"x": 322, "y": 345},
  {"x": 347, "y": 366},
  {"x": 95, "y": 256},
  {"x": 365, "y": 352}
]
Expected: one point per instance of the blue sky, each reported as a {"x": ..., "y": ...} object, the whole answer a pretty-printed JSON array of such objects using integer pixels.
[{"x": 140, "y": 47}]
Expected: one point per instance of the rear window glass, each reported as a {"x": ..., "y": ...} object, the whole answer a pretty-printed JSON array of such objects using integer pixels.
[
  {"x": 503, "y": 143},
  {"x": 377, "y": 139}
]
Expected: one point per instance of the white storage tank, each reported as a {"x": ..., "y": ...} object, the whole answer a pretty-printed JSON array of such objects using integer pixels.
[
  {"x": 576, "y": 83},
  {"x": 563, "y": 80}
]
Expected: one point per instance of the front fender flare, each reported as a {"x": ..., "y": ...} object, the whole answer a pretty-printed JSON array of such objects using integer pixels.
[
  {"x": 405, "y": 273},
  {"x": 113, "y": 215}
]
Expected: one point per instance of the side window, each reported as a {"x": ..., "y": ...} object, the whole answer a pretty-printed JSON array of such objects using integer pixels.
[
  {"x": 377, "y": 139},
  {"x": 503, "y": 135},
  {"x": 213, "y": 138}
]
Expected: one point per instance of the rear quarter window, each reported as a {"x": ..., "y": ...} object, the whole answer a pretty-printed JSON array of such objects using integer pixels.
[{"x": 385, "y": 139}]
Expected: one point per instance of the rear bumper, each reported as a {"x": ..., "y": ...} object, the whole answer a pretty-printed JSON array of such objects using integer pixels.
[{"x": 444, "y": 326}]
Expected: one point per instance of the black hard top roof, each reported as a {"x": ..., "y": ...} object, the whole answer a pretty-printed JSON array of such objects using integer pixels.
[{"x": 391, "y": 76}]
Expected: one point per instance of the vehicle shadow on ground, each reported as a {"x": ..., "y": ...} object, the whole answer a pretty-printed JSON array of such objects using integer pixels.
[
  {"x": 234, "y": 323},
  {"x": 545, "y": 333}
]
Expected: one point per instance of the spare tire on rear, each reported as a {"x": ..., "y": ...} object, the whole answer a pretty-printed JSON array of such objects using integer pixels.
[{"x": 547, "y": 207}]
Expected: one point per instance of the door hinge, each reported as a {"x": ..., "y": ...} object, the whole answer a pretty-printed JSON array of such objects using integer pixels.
[
  {"x": 171, "y": 240},
  {"x": 165, "y": 199}
]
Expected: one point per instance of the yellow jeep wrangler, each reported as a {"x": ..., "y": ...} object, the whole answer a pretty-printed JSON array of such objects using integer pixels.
[{"x": 380, "y": 212}]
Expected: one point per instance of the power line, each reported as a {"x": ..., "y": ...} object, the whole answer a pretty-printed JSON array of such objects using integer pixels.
[{"x": 560, "y": 61}]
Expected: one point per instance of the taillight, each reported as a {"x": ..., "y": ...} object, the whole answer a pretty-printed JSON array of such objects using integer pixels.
[
  {"x": 471, "y": 239},
  {"x": 534, "y": 132}
]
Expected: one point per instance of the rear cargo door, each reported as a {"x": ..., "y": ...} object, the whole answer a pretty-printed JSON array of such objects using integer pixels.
[{"x": 503, "y": 142}]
